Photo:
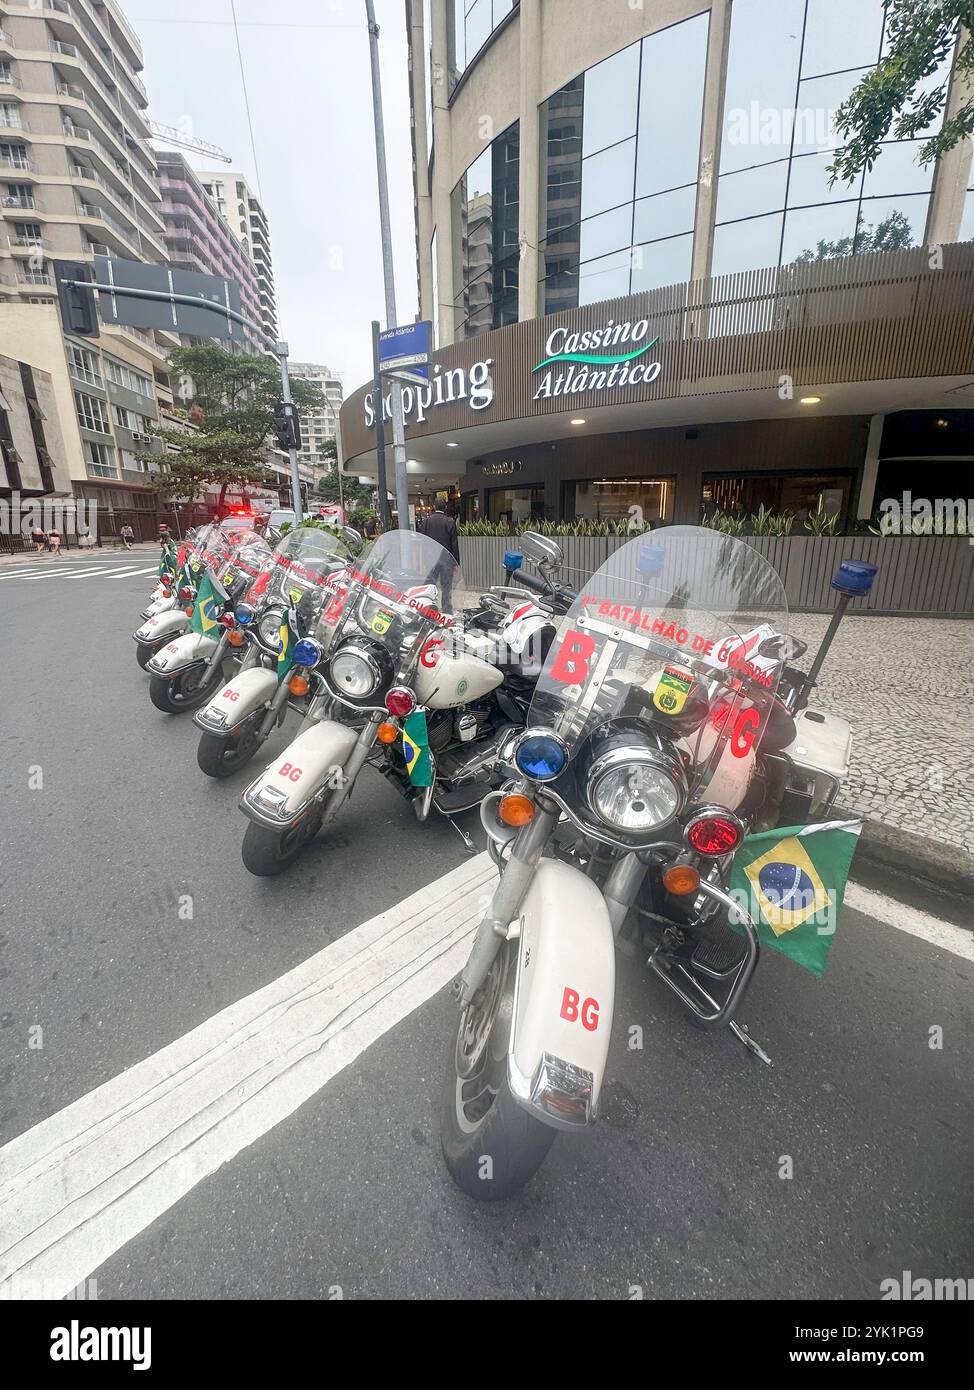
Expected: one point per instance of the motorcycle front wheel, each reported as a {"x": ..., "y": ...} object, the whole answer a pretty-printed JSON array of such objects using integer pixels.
[
  {"x": 491, "y": 1145},
  {"x": 144, "y": 652},
  {"x": 266, "y": 853},
  {"x": 190, "y": 689},
  {"x": 221, "y": 755}
]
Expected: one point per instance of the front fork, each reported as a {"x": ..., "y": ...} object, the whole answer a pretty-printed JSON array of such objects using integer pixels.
[
  {"x": 352, "y": 766},
  {"x": 621, "y": 887},
  {"x": 508, "y": 896}
]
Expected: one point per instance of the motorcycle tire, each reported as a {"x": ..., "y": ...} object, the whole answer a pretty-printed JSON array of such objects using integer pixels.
[
  {"x": 491, "y": 1145},
  {"x": 266, "y": 853},
  {"x": 144, "y": 652},
  {"x": 187, "y": 691},
  {"x": 221, "y": 755}
]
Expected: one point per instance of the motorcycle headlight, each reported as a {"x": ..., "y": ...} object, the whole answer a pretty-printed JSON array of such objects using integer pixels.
[
  {"x": 355, "y": 671},
  {"x": 269, "y": 628},
  {"x": 633, "y": 791}
]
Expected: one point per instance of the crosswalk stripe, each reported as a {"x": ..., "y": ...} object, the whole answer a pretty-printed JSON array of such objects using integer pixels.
[
  {"x": 79, "y": 1185},
  {"x": 102, "y": 574},
  {"x": 150, "y": 570}
]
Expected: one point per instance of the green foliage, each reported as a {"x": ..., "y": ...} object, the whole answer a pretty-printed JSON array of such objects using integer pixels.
[
  {"x": 764, "y": 522},
  {"x": 890, "y": 101},
  {"x": 726, "y": 524},
  {"x": 355, "y": 494},
  {"x": 227, "y": 404},
  {"x": 820, "y": 522}
]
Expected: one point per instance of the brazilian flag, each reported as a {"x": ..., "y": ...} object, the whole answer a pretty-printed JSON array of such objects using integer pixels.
[
  {"x": 289, "y": 640},
  {"x": 167, "y": 561},
  {"x": 206, "y": 614},
  {"x": 415, "y": 744},
  {"x": 793, "y": 881}
]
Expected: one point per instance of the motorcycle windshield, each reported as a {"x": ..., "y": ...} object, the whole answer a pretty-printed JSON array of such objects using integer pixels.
[
  {"x": 669, "y": 633},
  {"x": 234, "y": 551},
  {"x": 397, "y": 593},
  {"x": 303, "y": 562}
]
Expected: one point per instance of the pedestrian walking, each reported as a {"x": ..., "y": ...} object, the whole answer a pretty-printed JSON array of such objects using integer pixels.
[
  {"x": 39, "y": 538},
  {"x": 54, "y": 542},
  {"x": 128, "y": 536},
  {"x": 443, "y": 529}
]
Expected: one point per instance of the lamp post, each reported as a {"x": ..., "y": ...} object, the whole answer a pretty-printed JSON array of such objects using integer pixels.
[{"x": 388, "y": 271}]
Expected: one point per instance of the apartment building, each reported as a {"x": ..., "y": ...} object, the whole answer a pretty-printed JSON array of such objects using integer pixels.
[
  {"x": 78, "y": 179},
  {"x": 199, "y": 237},
  {"x": 318, "y": 427},
  {"x": 234, "y": 199}
]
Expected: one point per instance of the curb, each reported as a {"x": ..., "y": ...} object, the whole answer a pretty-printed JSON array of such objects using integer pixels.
[{"x": 948, "y": 868}]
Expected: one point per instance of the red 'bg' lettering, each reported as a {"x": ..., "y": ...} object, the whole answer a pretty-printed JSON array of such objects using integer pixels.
[
  {"x": 570, "y": 666},
  {"x": 589, "y": 1010},
  {"x": 289, "y": 771}
]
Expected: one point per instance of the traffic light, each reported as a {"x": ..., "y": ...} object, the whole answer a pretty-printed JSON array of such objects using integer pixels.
[
  {"x": 78, "y": 312},
  {"x": 287, "y": 426}
]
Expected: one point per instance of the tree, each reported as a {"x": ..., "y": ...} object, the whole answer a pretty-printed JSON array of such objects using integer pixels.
[
  {"x": 893, "y": 96},
  {"x": 356, "y": 494},
  {"x": 894, "y": 233},
  {"x": 228, "y": 403}
]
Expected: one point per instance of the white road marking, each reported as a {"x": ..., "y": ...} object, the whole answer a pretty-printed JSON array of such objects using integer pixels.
[
  {"x": 41, "y": 574},
  {"x": 151, "y": 570},
  {"x": 105, "y": 574},
  {"x": 958, "y": 940},
  {"x": 78, "y": 1186}
]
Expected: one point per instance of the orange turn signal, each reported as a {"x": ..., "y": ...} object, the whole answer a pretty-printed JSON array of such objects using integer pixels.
[
  {"x": 189, "y": 611},
  {"x": 387, "y": 733},
  {"x": 235, "y": 638},
  {"x": 515, "y": 809},
  {"x": 298, "y": 685},
  {"x": 681, "y": 879}
]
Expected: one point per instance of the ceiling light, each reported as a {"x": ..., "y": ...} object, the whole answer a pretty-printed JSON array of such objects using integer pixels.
[
  {"x": 579, "y": 422},
  {"x": 452, "y": 445},
  {"x": 810, "y": 400}
]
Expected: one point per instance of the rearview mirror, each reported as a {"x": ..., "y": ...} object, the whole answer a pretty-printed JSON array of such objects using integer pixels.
[
  {"x": 541, "y": 549},
  {"x": 353, "y": 539}
]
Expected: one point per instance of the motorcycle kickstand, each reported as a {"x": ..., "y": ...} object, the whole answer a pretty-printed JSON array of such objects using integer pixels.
[
  {"x": 740, "y": 1031},
  {"x": 471, "y": 847}
]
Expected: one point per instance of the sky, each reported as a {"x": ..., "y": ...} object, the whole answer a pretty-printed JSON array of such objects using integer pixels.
[{"x": 306, "y": 65}]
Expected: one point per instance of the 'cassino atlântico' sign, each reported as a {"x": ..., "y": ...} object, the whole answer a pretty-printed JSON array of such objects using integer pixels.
[{"x": 600, "y": 359}]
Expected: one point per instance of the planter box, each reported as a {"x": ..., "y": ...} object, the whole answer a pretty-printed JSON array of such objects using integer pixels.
[{"x": 932, "y": 576}]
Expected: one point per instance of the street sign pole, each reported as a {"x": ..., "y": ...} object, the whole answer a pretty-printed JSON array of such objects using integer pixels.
[
  {"x": 281, "y": 351},
  {"x": 380, "y": 433},
  {"x": 388, "y": 269}
]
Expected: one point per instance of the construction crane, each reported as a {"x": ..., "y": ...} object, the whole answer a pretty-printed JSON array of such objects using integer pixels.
[{"x": 172, "y": 136}]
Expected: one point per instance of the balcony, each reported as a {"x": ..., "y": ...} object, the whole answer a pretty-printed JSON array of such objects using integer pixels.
[
  {"x": 36, "y": 277},
  {"x": 20, "y": 165},
  {"x": 15, "y": 204},
  {"x": 28, "y": 243}
]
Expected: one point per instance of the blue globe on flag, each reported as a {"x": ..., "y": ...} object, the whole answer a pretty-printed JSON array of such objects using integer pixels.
[{"x": 786, "y": 886}]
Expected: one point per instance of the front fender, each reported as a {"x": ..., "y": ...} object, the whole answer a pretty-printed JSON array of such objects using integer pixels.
[
  {"x": 282, "y": 791},
  {"x": 163, "y": 626},
  {"x": 238, "y": 700},
  {"x": 563, "y": 997},
  {"x": 159, "y": 603},
  {"x": 185, "y": 651}
]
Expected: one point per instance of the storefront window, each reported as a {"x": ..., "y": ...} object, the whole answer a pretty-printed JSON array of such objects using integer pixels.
[
  {"x": 485, "y": 238},
  {"x": 742, "y": 494},
  {"x": 640, "y": 500},
  {"x": 622, "y": 149},
  {"x": 517, "y": 506},
  {"x": 791, "y": 64}
]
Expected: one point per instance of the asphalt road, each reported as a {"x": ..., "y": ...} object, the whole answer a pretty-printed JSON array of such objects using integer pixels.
[{"x": 677, "y": 1191}]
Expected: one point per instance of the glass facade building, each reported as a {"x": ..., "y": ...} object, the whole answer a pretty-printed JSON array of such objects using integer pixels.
[
  {"x": 621, "y": 147},
  {"x": 484, "y": 217}
]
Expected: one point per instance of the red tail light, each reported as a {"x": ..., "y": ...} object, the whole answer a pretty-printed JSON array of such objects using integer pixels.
[
  {"x": 185, "y": 593},
  {"x": 228, "y": 620},
  {"x": 714, "y": 834}
]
